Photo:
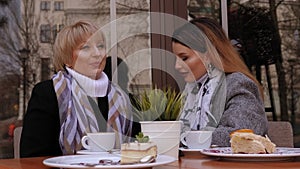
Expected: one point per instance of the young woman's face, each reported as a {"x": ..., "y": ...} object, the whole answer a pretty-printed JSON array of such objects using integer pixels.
[
  {"x": 89, "y": 58},
  {"x": 188, "y": 63}
]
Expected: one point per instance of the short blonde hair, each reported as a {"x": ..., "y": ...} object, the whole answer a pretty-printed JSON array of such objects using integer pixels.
[{"x": 68, "y": 39}]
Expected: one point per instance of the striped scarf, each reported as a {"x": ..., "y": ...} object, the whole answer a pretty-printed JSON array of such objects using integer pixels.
[{"x": 78, "y": 113}]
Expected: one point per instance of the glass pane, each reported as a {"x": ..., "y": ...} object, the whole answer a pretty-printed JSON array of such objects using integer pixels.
[
  {"x": 134, "y": 48},
  {"x": 266, "y": 33},
  {"x": 209, "y": 8}
]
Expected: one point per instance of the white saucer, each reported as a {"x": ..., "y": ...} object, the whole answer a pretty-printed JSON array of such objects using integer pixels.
[
  {"x": 89, "y": 152},
  {"x": 74, "y": 161},
  {"x": 190, "y": 150}
]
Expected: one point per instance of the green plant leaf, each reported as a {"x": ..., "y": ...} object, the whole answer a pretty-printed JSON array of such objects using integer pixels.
[
  {"x": 141, "y": 138},
  {"x": 158, "y": 104}
]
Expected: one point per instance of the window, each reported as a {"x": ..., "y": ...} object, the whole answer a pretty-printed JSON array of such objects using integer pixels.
[
  {"x": 55, "y": 29},
  {"x": 45, "y": 5},
  {"x": 45, "y": 34},
  {"x": 58, "y": 6}
]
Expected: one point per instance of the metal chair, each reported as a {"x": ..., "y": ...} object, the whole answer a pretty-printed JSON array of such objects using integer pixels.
[
  {"x": 17, "y": 137},
  {"x": 281, "y": 133}
]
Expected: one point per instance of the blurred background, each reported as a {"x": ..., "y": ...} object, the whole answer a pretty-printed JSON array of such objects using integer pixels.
[{"x": 265, "y": 32}]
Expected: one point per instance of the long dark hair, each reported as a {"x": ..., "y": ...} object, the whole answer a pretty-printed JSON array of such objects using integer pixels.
[{"x": 194, "y": 35}]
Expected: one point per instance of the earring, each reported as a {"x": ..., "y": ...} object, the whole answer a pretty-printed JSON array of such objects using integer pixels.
[
  {"x": 210, "y": 68},
  {"x": 69, "y": 66}
]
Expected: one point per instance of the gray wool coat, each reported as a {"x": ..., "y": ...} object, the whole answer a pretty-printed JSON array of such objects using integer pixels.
[{"x": 243, "y": 108}]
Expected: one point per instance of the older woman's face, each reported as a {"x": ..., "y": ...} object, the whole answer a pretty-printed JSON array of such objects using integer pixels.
[
  {"x": 89, "y": 58},
  {"x": 188, "y": 62}
]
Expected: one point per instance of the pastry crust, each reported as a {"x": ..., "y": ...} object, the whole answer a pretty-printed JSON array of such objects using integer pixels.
[{"x": 245, "y": 141}]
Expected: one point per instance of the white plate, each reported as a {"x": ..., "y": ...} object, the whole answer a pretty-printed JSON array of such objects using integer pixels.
[
  {"x": 89, "y": 152},
  {"x": 280, "y": 154},
  {"x": 71, "y": 161},
  {"x": 188, "y": 149}
]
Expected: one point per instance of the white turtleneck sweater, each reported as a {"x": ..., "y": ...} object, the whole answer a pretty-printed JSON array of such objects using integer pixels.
[{"x": 92, "y": 87}]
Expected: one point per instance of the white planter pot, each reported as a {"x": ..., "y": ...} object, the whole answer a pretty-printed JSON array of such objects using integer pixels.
[{"x": 166, "y": 134}]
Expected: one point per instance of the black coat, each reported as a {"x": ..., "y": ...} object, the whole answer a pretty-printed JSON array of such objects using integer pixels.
[{"x": 41, "y": 124}]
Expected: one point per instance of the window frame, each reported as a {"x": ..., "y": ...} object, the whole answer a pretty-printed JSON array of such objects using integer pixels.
[
  {"x": 45, "y": 33},
  {"x": 58, "y": 6},
  {"x": 45, "y": 5},
  {"x": 162, "y": 79}
]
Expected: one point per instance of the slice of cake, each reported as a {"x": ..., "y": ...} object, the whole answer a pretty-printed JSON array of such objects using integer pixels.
[
  {"x": 133, "y": 152},
  {"x": 245, "y": 141}
]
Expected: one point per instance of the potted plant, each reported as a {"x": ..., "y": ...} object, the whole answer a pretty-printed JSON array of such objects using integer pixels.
[
  {"x": 158, "y": 111},
  {"x": 158, "y": 105}
]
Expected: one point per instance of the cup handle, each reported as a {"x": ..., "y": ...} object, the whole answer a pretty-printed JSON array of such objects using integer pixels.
[
  {"x": 84, "y": 142},
  {"x": 182, "y": 138}
]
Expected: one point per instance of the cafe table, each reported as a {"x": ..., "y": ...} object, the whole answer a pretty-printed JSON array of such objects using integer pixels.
[{"x": 189, "y": 160}]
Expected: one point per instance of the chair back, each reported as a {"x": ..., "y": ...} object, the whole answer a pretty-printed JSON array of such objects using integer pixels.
[
  {"x": 281, "y": 133},
  {"x": 17, "y": 137}
]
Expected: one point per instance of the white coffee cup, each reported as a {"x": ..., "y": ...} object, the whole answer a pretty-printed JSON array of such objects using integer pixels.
[
  {"x": 99, "y": 141},
  {"x": 196, "y": 139}
]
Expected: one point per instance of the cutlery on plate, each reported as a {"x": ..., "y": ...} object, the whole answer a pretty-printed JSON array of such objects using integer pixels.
[
  {"x": 146, "y": 159},
  {"x": 113, "y": 151},
  {"x": 101, "y": 162}
]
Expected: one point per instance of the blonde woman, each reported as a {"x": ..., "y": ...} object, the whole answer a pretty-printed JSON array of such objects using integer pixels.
[{"x": 79, "y": 99}]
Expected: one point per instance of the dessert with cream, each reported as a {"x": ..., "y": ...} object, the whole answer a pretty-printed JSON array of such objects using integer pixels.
[
  {"x": 245, "y": 141},
  {"x": 133, "y": 152}
]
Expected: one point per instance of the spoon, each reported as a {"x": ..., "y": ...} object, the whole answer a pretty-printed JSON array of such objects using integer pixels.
[
  {"x": 147, "y": 159},
  {"x": 101, "y": 162},
  {"x": 143, "y": 160}
]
